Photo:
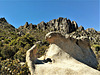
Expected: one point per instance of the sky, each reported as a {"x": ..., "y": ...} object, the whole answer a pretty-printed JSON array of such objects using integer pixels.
[{"x": 18, "y": 12}]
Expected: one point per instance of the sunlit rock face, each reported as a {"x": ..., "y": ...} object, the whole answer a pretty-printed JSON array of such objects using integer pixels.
[{"x": 65, "y": 56}]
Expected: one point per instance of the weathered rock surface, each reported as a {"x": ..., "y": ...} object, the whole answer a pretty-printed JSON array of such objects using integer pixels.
[{"x": 65, "y": 56}]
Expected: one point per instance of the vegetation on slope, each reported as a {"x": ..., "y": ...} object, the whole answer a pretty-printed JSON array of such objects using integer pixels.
[{"x": 13, "y": 48}]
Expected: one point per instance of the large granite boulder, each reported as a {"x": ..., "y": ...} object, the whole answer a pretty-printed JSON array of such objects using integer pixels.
[{"x": 65, "y": 56}]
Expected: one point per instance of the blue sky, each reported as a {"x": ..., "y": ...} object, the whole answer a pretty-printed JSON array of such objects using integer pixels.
[{"x": 84, "y": 12}]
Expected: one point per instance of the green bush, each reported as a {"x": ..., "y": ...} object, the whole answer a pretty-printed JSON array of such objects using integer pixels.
[
  {"x": 27, "y": 46},
  {"x": 42, "y": 48},
  {"x": 22, "y": 41},
  {"x": 8, "y": 51},
  {"x": 21, "y": 54}
]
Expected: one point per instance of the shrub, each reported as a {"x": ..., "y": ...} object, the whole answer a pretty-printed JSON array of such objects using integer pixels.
[
  {"x": 9, "y": 67},
  {"x": 8, "y": 51},
  {"x": 21, "y": 54},
  {"x": 27, "y": 46},
  {"x": 42, "y": 48}
]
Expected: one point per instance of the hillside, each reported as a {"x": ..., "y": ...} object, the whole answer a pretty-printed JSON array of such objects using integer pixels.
[{"x": 15, "y": 42}]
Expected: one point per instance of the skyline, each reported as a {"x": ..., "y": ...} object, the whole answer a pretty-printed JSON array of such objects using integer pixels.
[{"x": 84, "y": 12}]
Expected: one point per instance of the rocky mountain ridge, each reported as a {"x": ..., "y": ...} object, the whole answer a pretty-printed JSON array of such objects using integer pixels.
[{"x": 60, "y": 24}]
